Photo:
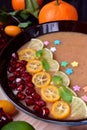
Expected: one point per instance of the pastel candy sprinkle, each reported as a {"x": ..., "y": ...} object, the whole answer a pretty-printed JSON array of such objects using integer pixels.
[
  {"x": 57, "y": 42},
  {"x": 76, "y": 88},
  {"x": 69, "y": 71},
  {"x": 53, "y": 49},
  {"x": 74, "y": 64},
  {"x": 64, "y": 63},
  {"x": 84, "y": 98},
  {"x": 46, "y": 43},
  {"x": 85, "y": 89}
]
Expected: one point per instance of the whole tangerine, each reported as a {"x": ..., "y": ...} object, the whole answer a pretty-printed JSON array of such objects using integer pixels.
[{"x": 57, "y": 10}]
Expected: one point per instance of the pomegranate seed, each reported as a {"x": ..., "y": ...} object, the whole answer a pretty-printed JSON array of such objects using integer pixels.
[
  {"x": 41, "y": 103},
  {"x": 15, "y": 56},
  {"x": 29, "y": 91},
  {"x": 18, "y": 80},
  {"x": 45, "y": 111},
  {"x": 29, "y": 101},
  {"x": 25, "y": 74},
  {"x": 17, "y": 73},
  {"x": 36, "y": 96},
  {"x": 22, "y": 68},
  {"x": 24, "y": 62},
  {"x": 18, "y": 65},
  {"x": 21, "y": 95},
  {"x": 30, "y": 85},
  {"x": 20, "y": 87},
  {"x": 11, "y": 69},
  {"x": 12, "y": 78},
  {"x": 36, "y": 108}
]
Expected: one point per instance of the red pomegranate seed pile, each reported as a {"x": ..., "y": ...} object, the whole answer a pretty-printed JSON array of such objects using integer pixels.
[
  {"x": 21, "y": 81},
  {"x": 4, "y": 118}
]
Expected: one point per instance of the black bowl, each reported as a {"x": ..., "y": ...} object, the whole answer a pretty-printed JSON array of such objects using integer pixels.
[{"x": 21, "y": 39}]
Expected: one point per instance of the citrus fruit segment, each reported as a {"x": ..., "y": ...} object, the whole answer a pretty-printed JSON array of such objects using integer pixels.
[
  {"x": 34, "y": 66},
  {"x": 41, "y": 79},
  {"x": 50, "y": 93},
  {"x": 36, "y": 44},
  {"x": 60, "y": 110},
  {"x": 27, "y": 54},
  {"x": 47, "y": 54},
  {"x": 54, "y": 65},
  {"x": 18, "y": 125},
  {"x": 73, "y": 92},
  {"x": 78, "y": 108},
  {"x": 66, "y": 80},
  {"x": 7, "y": 107}
]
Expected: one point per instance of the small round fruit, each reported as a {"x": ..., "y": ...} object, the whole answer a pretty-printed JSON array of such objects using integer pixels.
[
  {"x": 18, "y": 125},
  {"x": 41, "y": 79},
  {"x": 12, "y": 30},
  {"x": 34, "y": 66},
  {"x": 27, "y": 54},
  {"x": 7, "y": 106},
  {"x": 50, "y": 93},
  {"x": 60, "y": 110}
]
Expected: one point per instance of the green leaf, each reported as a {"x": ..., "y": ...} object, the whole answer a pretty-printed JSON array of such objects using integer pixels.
[
  {"x": 39, "y": 53},
  {"x": 45, "y": 64},
  {"x": 24, "y": 14},
  {"x": 24, "y": 24},
  {"x": 32, "y": 7},
  {"x": 65, "y": 94},
  {"x": 57, "y": 80}
]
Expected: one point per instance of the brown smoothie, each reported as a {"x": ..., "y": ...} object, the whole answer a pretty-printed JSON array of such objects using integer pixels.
[{"x": 73, "y": 47}]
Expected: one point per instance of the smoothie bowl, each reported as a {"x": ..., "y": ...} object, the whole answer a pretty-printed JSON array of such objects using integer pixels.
[{"x": 43, "y": 72}]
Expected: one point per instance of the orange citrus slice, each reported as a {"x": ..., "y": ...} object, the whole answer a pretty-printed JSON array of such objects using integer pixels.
[
  {"x": 60, "y": 110},
  {"x": 34, "y": 66},
  {"x": 50, "y": 93},
  {"x": 41, "y": 79},
  {"x": 27, "y": 54}
]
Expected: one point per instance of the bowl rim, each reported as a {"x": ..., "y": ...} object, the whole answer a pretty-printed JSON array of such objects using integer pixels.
[{"x": 49, "y": 27}]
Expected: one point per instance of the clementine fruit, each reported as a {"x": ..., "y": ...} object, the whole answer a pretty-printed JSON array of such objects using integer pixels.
[
  {"x": 20, "y": 4},
  {"x": 57, "y": 10}
]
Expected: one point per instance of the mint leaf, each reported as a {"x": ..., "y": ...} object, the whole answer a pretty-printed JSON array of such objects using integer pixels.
[
  {"x": 65, "y": 94},
  {"x": 24, "y": 24},
  {"x": 45, "y": 64},
  {"x": 39, "y": 53},
  {"x": 57, "y": 80}
]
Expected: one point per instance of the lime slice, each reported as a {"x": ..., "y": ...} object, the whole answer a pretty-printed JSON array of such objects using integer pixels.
[
  {"x": 73, "y": 93},
  {"x": 78, "y": 108},
  {"x": 66, "y": 80},
  {"x": 47, "y": 54},
  {"x": 36, "y": 44},
  {"x": 54, "y": 65},
  {"x": 18, "y": 125}
]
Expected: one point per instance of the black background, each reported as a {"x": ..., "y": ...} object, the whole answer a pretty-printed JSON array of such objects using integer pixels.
[{"x": 81, "y": 6}]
